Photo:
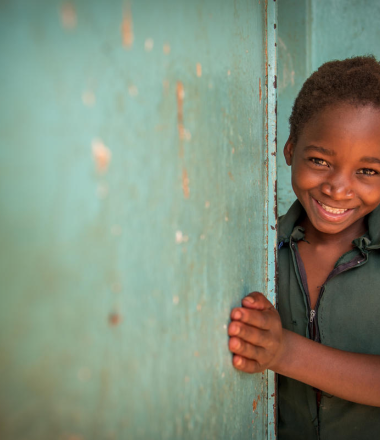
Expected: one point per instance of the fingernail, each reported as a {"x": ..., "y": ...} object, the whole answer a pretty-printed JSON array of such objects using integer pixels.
[
  {"x": 238, "y": 361},
  {"x": 237, "y": 315},
  {"x": 234, "y": 329},
  {"x": 249, "y": 299}
]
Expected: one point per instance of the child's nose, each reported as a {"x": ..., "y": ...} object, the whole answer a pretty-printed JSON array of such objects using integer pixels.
[{"x": 339, "y": 187}]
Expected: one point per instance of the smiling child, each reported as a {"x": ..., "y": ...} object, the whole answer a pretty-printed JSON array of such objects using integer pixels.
[{"x": 324, "y": 341}]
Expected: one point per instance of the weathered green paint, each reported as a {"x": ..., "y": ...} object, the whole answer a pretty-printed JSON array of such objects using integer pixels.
[
  {"x": 118, "y": 273},
  {"x": 312, "y": 32}
]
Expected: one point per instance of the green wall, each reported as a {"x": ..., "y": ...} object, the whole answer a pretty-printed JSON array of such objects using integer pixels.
[{"x": 136, "y": 186}]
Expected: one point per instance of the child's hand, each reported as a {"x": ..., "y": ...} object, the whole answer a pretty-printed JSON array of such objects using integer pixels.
[{"x": 256, "y": 334}]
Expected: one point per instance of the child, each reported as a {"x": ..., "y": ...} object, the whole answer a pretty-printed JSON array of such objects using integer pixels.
[{"x": 324, "y": 341}]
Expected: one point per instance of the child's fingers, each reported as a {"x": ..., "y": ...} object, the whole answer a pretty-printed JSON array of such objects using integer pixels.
[
  {"x": 256, "y": 300},
  {"x": 256, "y": 318},
  {"x": 246, "y": 365},
  {"x": 242, "y": 348},
  {"x": 253, "y": 335}
]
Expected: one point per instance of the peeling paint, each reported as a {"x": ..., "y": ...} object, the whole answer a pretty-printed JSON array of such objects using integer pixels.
[
  {"x": 102, "y": 155},
  {"x": 260, "y": 91},
  {"x": 180, "y": 92},
  {"x": 127, "y": 27},
  {"x": 199, "y": 70},
  {"x": 185, "y": 184},
  {"x": 114, "y": 319},
  {"x": 68, "y": 16},
  {"x": 180, "y": 237}
]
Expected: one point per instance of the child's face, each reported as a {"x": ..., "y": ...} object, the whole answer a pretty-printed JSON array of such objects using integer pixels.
[{"x": 336, "y": 166}]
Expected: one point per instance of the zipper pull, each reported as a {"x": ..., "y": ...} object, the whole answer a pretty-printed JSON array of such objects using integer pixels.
[{"x": 312, "y": 314}]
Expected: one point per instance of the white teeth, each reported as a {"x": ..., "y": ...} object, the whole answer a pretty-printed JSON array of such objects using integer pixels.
[{"x": 332, "y": 210}]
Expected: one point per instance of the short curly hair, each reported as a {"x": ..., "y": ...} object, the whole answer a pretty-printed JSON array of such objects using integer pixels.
[{"x": 354, "y": 81}]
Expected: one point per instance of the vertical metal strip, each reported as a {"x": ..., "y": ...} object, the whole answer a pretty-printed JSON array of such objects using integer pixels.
[{"x": 271, "y": 38}]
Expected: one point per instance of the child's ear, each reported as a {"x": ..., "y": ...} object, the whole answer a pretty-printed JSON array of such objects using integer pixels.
[{"x": 289, "y": 151}]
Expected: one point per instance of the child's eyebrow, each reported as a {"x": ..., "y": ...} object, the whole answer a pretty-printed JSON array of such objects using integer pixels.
[
  {"x": 370, "y": 159},
  {"x": 320, "y": 150}
]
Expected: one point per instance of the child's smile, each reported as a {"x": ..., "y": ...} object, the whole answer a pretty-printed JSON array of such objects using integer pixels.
[{"x": 336, "y": 167}]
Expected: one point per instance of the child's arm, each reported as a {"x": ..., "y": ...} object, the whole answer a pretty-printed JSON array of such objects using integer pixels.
[{"x": 259, "y": 342}]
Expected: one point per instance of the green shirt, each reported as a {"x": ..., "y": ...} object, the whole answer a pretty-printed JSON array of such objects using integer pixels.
[{"x": 346, "y": 317}]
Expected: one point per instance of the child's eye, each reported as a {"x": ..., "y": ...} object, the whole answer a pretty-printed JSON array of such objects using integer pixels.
[
  {"x": 367, "y": 172},
  {"x": 319, "y": 162}
]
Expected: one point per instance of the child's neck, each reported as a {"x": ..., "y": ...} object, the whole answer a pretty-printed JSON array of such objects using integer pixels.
[{"x": 318, "y": 238}]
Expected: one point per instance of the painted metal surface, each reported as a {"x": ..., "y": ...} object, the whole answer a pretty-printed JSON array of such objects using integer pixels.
[
  {"x": 136, "y": 205},
  {"x": 312, "y": 32}
]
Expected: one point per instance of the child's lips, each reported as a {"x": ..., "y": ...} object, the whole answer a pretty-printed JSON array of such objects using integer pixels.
[{"x": 330, "y": 213}]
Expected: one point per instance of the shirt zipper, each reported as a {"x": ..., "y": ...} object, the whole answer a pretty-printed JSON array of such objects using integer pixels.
[{"x": 313, "y": 321}]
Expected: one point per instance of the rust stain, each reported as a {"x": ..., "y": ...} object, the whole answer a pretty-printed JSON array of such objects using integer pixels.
[
  {"x": 68, "y": 16},
  {"x": 185, "y": 184},
  {"x": 260, "y": 91},
  {"x": 230, "y": 175},
  {"x": 127, "y": 27},
  {"x": 102, "y": 155},
  {"x": 199, "y": 70},
  {"x": 114, "y": 319},
  {"x": 181, "y": 130},
  {"x": 255, "y": 402}
]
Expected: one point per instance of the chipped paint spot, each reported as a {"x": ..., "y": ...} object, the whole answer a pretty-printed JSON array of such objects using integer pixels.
[
  {"x": 199, "y": 307},
  {"x": 175, "y": 299},
  {"x": 260, "y": 91},
  {"x": 180, "y": 237},
  {"x": 127, "y": 27},
  {"x": 102, "y": 155},
  {"x": 233, "y": 150},
  {"x": 166, "y": 49},
  {"x": 207, "y": 204},
  {"x": 180, "y": 92},
  {"x": 187, "y": 379},
  {"x": 225, "y": 326},
  {"x": 255, "y": 402},
  {"x": 149, "y": 43},
  {"x": 199, "y": 70},
  {"x": 226, "y": 218},
  {"x": 202, "y": 237},
  {"x": 68, "y": 16},
  {"x": 133, "y": 90},
  {"x": 228, "y": 72},
  {"x": 230, "y": 175},
  {"x": 116, "y": 230},
  {"x": 222, "y": 375},
  {"x": 210, "y": 85},
  {"x": 196, "y": 353},
  {"x": 84, "y": 374},
  {"x": 185, "y": 184},
  {"x": 114, "y": 319},
  {"x": 88, "y": 98}
]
